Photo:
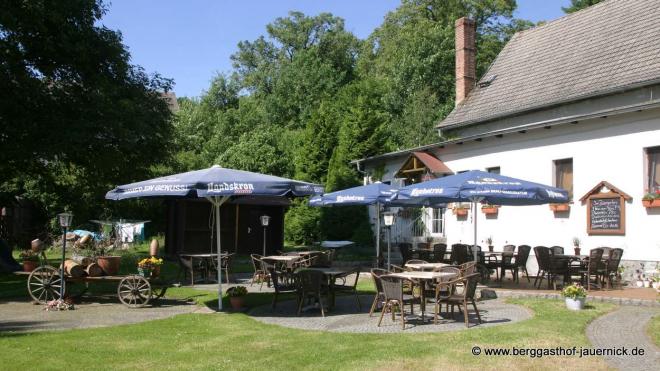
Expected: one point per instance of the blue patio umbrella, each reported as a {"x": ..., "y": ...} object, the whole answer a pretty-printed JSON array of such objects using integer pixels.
[
  {"x": 371, "y": 194},
  {"x": 218, "y": 185},
  {"x": 479, "y": 186}
]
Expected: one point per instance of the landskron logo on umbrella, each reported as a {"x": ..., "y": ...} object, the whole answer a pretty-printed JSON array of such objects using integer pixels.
[{"x": 233, "y": 187}]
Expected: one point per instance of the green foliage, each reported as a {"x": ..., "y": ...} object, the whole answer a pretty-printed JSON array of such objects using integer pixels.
[
  {"x": 76, "y": 117},
  {"x": 302, "y": 224},
  {"x": 579, "y": 5}
]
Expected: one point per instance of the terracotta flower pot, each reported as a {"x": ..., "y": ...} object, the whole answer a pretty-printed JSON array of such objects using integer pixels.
[
  {"x": 489, "y": 210},
  {"x": 30, "y": 265},
  {"x": 236, "y": 302},
  {"x": 109, "y": 264},
  {"x": 461, "y": 212},
  {"x": 491, "y": 248},
  {"x": 576, "y": 250},
  {"x": 560, "y": 207},
  {"x": 153, "y": 247}
]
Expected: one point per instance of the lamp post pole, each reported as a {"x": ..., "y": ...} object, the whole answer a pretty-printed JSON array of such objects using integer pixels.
[
  {"x": 265, "y": 219},
  {"x": 65, "y": 221},
  {"x": 388, "y": 218}
]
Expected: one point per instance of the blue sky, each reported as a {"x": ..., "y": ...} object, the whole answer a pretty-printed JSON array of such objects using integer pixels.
[{"x": 191, "y": 41}]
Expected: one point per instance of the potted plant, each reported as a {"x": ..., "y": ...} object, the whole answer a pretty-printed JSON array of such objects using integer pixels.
[
  {"x": 651, "y": 199},
  {"x": 461, "y": 210},
  {"x": 109, "y": 263},
  {"x": 656, "y": 283},
  {"x": 489, "y": 209},
  {"x": 576, "y": 245},
  {"x": 489, "y": 242},
  {"x": 575, "y": 295},
  {"x": 559, "y": 208},
  {"x": 149, "y": 267},
  {"x": 237, "y": 296},
  {"x": 30, "y": 260}
]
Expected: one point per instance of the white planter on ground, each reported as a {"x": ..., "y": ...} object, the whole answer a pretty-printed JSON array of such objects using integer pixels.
[
  {"x": 656, "y": 285},
  {"x": 647, "y": 283},
  {"x": 575, "y": 304},
  {"x": 640, "y": 283}
]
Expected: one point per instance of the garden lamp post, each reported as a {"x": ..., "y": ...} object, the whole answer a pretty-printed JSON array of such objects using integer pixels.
[
  {"x": 265, "y": 219},
  {"x": 388, "y": 219},
  {"x": 65, "y": 222}
]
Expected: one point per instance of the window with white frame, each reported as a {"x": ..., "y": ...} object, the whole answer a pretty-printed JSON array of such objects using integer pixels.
[
  {"x": 436, "y": 220},
  {"x": 652, "y": 183}
]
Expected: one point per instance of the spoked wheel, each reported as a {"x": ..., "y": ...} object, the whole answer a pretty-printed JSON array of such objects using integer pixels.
[
  {"x": 134, "y": 291},
  {"x": 44, "y": 284}
]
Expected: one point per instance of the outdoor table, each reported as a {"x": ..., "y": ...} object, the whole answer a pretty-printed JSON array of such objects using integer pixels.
[
  {"x": 206, "y": 258},
  {"x": 336, "y": 244},
  {"x": 330, "y": 274},
  {"x": 425, "y": 266},
  {"x": 569, "y": 259},
  {"x": 284, "y": 260},
  {"x": 422, "y": 277}
]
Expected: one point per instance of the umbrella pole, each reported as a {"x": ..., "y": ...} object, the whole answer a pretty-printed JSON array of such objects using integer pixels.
[
  {"x": 474, "y": 247},
  {"x": 217, "y": 202},
  {"x": 378, "y": 235}
]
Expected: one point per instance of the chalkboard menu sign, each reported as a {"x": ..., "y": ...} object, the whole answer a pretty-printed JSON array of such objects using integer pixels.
[{"x": 605, "y": 214}]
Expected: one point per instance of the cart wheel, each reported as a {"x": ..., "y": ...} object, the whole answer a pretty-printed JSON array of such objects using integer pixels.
[
  {"x": 44, "y": 284},
  {"x": 134, "y": 291}
]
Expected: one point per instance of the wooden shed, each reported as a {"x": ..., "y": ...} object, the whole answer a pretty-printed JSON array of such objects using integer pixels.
[{"x": 190, "y": 226}]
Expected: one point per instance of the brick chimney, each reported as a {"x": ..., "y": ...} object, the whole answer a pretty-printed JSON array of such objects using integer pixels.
[{"x": 466, "y": 53}]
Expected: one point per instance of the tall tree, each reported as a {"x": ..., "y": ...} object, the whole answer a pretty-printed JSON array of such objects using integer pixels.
[
  {"x": 75, "y": 115},
  {"x": 579, "y": 5}
]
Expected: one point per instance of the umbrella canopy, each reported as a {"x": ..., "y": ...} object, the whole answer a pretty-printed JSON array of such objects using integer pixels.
[
  {"x": 214, "y": 181},
  {"x": 218, "y": 185},
  {"x": 363, "y": 195},
  {"x": 480, "y": 186}
]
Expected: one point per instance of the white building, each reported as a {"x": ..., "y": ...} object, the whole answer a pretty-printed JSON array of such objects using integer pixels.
[{"x": 570, "y": 103}]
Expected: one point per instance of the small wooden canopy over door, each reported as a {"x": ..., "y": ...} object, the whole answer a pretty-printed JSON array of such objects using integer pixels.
[{"x": 422, "y": 166}]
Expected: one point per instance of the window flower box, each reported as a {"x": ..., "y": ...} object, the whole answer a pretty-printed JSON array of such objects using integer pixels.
[
  {"x": 490, "y": 209},
  {"x": 461, "y": 211},
  {"x": 651, "y": 203},
  {"x": 558, "y": 208}
]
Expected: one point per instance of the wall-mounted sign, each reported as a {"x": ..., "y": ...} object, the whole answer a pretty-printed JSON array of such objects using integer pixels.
[{"x": 606, "y": 210}]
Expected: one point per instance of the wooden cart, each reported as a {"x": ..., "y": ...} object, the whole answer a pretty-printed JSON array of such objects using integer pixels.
[{"x": 134, "y": 291}]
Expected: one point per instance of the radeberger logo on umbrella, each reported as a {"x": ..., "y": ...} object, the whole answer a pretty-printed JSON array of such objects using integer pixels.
[
  {"x": 426, "y": 191},
  {"x": 230, "y": 187}
]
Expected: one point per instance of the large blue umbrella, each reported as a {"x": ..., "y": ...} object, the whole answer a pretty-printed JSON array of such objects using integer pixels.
[
  {"x": 479, "y": 186},
  {"x": 218, "y": 185},
  {"x": 372, "y": 194}
]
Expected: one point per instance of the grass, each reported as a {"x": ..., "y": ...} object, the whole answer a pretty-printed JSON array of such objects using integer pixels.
[
  {"x": 654, "y": 330},
  {"x": 235, "y": 341}
]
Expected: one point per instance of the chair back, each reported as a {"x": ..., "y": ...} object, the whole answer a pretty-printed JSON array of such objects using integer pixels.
[
  {"x": 423, "y": 246},
  {"x": 376, "y": 273},
  {"x": 281, "y": 280},
  {"x": 459, "y": 253},
  {"x": 468, "y": 268},
  {"x": 614, "y": 259},
  {"x": 225, "y": 261},
  {"x": 310, "y": 280},
  {"x": 256, "y": 261},
  {"x": 439, "y": 250},
  {"x": 542, "y": 257},
  {"x": 523, "y": 255},
  {"x": 405, "y": 248},
  {"x": 595, "y": 260},
  {"x": 470, "y": 282},
  {"x": 321, "y": 260},
  {"x": 507, "y": 251},
  {"x": 396, "y": 268},
  {"x": 392, "y": 287},
  {"x": 557, "y": 250}
]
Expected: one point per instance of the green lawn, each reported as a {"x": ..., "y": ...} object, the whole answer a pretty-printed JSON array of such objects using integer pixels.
[
  {"x": 654, "y": 330},
  {"x": 235, "y": 341}
]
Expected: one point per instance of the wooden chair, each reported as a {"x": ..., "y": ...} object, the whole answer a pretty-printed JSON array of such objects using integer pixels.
[
  {"x": 467, "y": 296},
  {"x": 543, "y": 260},
  {"x": 520, "y": 262},
  {"x": 189, "y": 267},
  {"x": 612, "y": 266},
  {"x": 347, "y": 287},
  {"x": 591, "y": 268},
  {"x": 439, "y": 250},
  {"x": 376, "y": 273},
  {"x": 311, "y": 285},
  {"x": 283, "y": 283},
  {"x": 259, "y": 272},
  {"x": 444, "y": 289},
  {"x": 225, "y": 263},
  {"x": 396, "y": 298},
  {"x": 557, "y": 250}
]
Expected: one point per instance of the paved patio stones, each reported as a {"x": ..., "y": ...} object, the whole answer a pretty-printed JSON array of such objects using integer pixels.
[
  {"x": 24, "y": 316},
  {"x": 626, "y": 327},
  {"x": 346, "y": 318}
]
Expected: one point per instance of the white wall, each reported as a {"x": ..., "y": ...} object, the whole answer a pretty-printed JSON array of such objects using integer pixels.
[{"x": 610, "y": 149}]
